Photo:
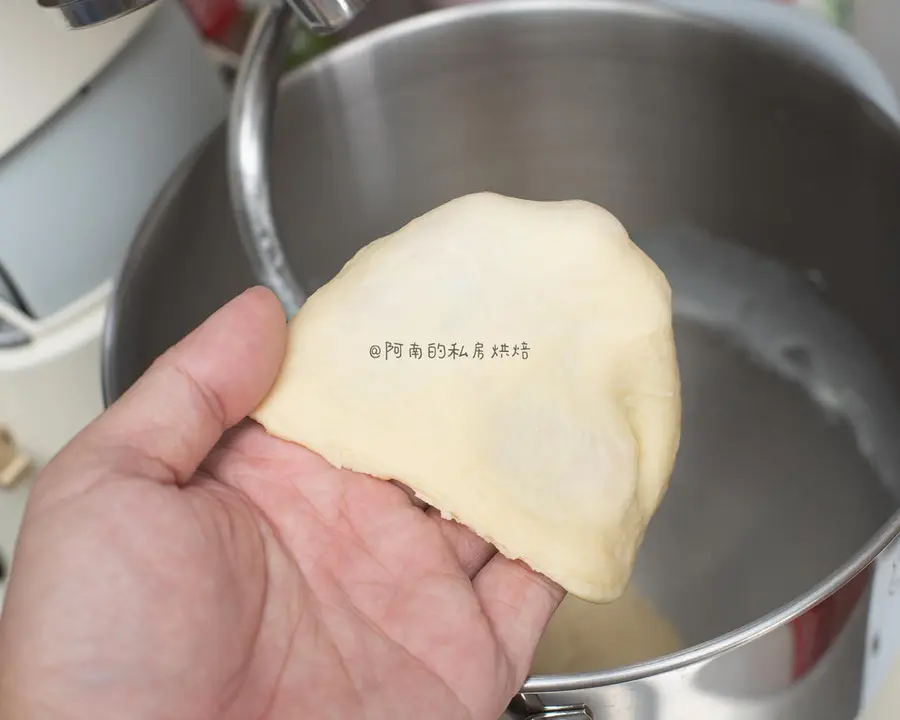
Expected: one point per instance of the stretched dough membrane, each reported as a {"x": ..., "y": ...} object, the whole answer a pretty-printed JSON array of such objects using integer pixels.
[
  {"x": 557, "y": 450},
  {"x": 585, "y": 637}
]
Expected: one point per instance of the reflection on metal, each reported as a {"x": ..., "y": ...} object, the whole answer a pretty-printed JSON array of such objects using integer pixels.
[
  {"x": 250, "y": 129},
  {"x": 327, "y": 16},
  {"x": 249, "y": 137},
  {"x": 77, "y": 14},
  {"x": 561, "y": 713}
]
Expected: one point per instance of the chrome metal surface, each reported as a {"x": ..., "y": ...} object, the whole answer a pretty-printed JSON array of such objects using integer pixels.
[
  {"x": 327, "y": 16},
  {"x": 250, "y": 127},
  {"x": 77, "y": 14},
  {"x": 249, "y": 133},
  {"x": 765, "y": 188},
  {"x": 322, "y": 16},
  {"x": 561, "y": 714}
]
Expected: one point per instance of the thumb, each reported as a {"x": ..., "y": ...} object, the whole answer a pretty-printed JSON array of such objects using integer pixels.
[{"x": 177, "y": 411}]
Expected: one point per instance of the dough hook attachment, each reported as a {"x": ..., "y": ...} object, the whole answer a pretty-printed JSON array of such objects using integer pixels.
[
  {"x": 250, "y": 130},
  {"x": 249, "y": 144}
]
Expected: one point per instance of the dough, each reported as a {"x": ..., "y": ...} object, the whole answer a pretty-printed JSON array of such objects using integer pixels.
[
  {"x": 584, "y": 637},
  {"x": 555, "y": 444}
]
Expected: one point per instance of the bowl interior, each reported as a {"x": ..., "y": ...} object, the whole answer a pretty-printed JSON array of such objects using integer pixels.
[{"x": 766, "y": 189}]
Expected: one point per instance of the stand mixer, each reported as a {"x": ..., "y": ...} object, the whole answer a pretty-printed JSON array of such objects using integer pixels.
[{"x": 251, "y": 115}]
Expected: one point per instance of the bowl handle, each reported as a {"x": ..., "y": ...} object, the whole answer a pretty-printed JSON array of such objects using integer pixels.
[
  {"x": 561, "y": 714},
  {"x": 580, "y": 712}
]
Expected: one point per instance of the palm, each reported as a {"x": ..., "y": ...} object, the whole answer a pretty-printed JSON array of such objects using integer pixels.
[
  {"x": 387, "y": 622},
  {"x": 266, "y": 584}
]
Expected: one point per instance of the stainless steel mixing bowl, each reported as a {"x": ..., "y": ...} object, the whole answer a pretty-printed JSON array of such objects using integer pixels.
[{"x": 766, "y": 188}]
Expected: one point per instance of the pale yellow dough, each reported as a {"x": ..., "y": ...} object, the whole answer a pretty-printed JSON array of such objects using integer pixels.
[
  {"x": 559, "y": 458},
  {"x": 584, "y": 637}
]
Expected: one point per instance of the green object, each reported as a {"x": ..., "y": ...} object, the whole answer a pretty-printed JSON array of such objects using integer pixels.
[
  {"x": 840, "y": 12},
  {"x": 306, "y": 46}
]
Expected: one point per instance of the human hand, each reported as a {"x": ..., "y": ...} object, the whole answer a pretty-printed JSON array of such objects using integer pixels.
[{"x": 176, "y": 562}]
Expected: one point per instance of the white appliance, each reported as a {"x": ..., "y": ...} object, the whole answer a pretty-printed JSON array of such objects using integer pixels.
[{"x": 107, "y": 114}]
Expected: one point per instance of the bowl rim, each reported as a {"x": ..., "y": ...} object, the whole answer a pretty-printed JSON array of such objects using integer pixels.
[{"x": 474, "y": 11}]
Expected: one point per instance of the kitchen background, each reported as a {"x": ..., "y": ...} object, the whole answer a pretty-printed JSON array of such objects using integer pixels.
[{"x": 140, "y": 94}]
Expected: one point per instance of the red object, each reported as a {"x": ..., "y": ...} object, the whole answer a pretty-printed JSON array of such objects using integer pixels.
[
  {"x": 212, "y": 17},
  {"x": 816, "y": 630}
]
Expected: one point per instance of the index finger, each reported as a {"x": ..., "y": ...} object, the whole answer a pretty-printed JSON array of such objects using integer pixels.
[{"x": 519, "y": 603}]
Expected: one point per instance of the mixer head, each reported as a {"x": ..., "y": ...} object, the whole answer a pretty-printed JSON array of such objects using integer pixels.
[{"x": 322, "y": 16}]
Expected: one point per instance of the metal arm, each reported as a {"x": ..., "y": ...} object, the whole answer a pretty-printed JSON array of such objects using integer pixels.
[
  {"x": 250, "y": 133},
  {"x": 249, "y": 141}
]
